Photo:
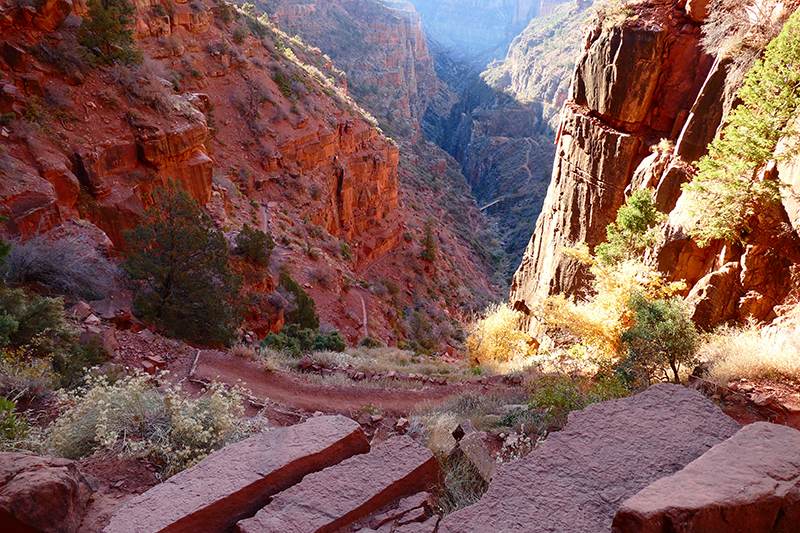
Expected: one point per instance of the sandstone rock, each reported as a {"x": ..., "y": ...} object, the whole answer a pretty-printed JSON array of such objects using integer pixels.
[
  {"x": 41, "y": 494},
  {"x": 617, "y": 76},
  {"x": 239, "y": 479},
  {"x": 419, "y": 500},
  {"x": 697, "y": 9},
  {"x": 473, "y": 449},
  {"x": 591, "y": 171},
  {"x": 608, "y": 452},
  {"x": 341, "y": 494},
  {"x": 710, "y": 300},
  {"x": 749, "y": 483},
  {"x": 15, "y": 57},
  {"x": 114, "y": 302},
  {"x": 428, "y": 526}
]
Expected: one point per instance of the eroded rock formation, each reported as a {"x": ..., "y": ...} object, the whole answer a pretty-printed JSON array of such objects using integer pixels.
[{"x": 643, "y": 80}]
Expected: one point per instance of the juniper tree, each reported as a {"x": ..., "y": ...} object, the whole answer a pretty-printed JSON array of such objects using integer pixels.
[{"x": 180, "y": 262}]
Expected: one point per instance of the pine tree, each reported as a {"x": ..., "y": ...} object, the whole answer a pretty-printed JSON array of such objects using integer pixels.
[
  {"x": 633, "y": 231},
  {"x": 726, "y": 191},
  {"x": 181, "y": 263},
  {"x": 107, "y": 33}
]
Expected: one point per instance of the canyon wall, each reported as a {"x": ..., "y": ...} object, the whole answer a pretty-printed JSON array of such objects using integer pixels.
[
  {"x": 634, "y": 84},
  {"x": 109, "y": 150},
  {"x": 382, "y": 49}
]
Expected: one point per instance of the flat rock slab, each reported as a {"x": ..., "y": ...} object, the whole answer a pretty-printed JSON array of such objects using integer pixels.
[
  {"x": 235, "y": 482},
  {"x": 608, "y": 452},
  {"x": 748, "y": 484},
  {"x": 41, "y": 494},
  {"x": 328, "y": 500}
]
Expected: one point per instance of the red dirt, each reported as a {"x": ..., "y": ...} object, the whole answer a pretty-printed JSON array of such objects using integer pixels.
[{"x": 297, "y": 392}]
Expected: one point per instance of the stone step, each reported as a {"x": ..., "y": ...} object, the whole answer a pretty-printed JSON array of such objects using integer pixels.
[
  {"x": 750, "y": 484},
  {"x": 608, "y": 452},
  {"x": 330, "y": 499},
  {"x": 235, "y": 482}
]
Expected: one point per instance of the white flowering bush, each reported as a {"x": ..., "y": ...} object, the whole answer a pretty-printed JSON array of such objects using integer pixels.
[{"x": 133, "y": 417}]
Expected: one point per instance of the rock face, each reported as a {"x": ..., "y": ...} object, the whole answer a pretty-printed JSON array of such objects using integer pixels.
[
  {"x": 607, "y": 453},
  {"x": 41, "y": 494},
  {"x": 749, "y": 483},
  {"x": 239, "y": 479},
  {"x": 635, "y": 83},
  {"x": 325, "y": 501},
  {"x": 385, "y": 56}
]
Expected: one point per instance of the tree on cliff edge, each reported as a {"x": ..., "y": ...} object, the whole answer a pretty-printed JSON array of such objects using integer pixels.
[
  {"x": 106, "y": 31},
  {"x": 181, "y": 263}
]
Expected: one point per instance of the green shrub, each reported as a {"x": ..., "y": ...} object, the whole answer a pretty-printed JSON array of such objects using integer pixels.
[
  {"x": 12, "y": 426},
  {"x": 369, "y": 342},
  {"x": 634, "y": 230},
  {"x": 255, "y": 245},
  {"x": 239, "y": 35},
  {"x": 180, "y": 263},
  {"x": 663, "y": 337},
  {"x": 134, "y": 417},
  {"x": 304, "y": 308},
  {"x": 297, "y": 340}
]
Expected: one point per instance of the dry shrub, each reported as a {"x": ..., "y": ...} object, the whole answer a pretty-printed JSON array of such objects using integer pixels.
[
  {"x": 601, "y": 319},
  {"x": 497, "y": 338},
  {"x": 64, "y": 265},
  {"x": 753, "y": 353},
  {"x": 133, "y": 417}
]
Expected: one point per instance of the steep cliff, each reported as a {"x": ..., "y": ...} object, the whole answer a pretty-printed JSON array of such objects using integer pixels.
[
  {"x": 381, "y": 48},
  {"x": 635, "y": 83}
]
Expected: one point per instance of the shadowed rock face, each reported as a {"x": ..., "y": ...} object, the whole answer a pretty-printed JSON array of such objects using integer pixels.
[
  {"x": 41, "y": 494},
  {"x": 608, "y": 452},
  {"x": 749, "y": 483},
  {"x": 238, "y": 480}
]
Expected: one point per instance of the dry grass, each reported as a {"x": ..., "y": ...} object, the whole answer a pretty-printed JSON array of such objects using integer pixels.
[
  {"x": 437, "y": 421},
  {"x": 753, "y": 353},
  {"x": 497, "y": 342}
]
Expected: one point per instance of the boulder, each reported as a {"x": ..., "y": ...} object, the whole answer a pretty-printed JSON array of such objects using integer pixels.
[
  {"x": 472, "y": 448},
  {"x": 575, "y": 482},
  {"x": 337, "y": 496},
  {"x": 236, "y": 481},
  {"x": 41, "y": 494},
  {"x": 749, "y": 483}
]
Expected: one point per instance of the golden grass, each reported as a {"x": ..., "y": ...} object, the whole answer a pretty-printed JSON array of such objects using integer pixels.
[{"x": 753, "y": 353}]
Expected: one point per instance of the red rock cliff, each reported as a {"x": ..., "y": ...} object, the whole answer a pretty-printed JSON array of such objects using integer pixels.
[{"x": 634, "y": 84}]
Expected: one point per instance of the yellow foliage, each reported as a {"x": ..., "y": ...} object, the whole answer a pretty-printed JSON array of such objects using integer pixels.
[
  {"x": 600, "y": 320},
  {"x": 497, "y": 337}
]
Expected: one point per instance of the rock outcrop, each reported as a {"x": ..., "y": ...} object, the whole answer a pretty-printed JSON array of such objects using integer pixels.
[
  {"x": 749, "y": 483},
  {"x": 337, "y": 496},
  {"x": 638, "y": 82},
  {"x": 236, "y": 481},
  {"x": 607, "y": 453},
  {"x": 41, "y": 494}
]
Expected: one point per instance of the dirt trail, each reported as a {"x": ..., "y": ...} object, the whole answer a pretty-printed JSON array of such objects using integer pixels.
[{"x": 295, "y": 391}]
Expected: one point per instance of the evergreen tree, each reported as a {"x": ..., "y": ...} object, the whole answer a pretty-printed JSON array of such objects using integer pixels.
[
  {"x": 726, "y": 191},
  {"x": 429, "y": 243},
  {"x": 181, "y": 264},
  {"x": 107, "y": 33}
]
